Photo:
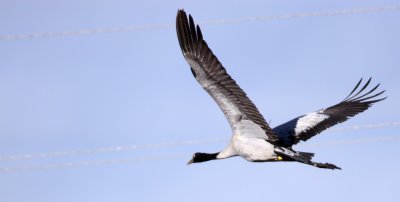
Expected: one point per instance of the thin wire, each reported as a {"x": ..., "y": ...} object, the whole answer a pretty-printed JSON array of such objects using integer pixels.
[
  {"x": 88, "y": 163},
  {"x": 387, "y": 8},
  {"x": 357, "y": 127},
  {"x": 45, "y": 167},
  {"x": 110, "y": 149},
  {"x": 308, "y": 14},
  {"x": 165, "y": 144},
  {"x": 354, "y": 141}
]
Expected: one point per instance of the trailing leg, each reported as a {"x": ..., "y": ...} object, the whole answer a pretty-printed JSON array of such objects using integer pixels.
[
  {"x": 302, "y": 157},
  {"x": 324, "y": 165}
]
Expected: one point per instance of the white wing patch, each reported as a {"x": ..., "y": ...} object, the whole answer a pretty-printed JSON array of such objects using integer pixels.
[{"x": 310, "y": 120}]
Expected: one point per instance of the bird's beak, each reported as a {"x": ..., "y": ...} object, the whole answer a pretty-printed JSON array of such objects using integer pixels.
[{"x": 190, "y": 162}]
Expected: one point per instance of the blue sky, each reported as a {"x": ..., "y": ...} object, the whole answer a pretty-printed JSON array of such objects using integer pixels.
[{"x": 133, "y": 88}]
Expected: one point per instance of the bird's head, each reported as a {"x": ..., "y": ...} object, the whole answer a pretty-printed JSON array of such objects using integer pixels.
[{"x": 201, "y": 157}]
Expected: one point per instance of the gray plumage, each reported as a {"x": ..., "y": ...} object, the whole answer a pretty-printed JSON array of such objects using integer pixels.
[{"x": 213, "y": 77}]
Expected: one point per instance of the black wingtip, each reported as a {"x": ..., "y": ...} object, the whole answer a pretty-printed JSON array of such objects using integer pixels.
[
  {"x": 183, "y": 30},
  {"x": 356, "y": 97},
  {"x": 199, "y": 34},
  {"x": 362, "y": 89},
  {"x": 189, "y": 34},
  {"x": 181, "y": 11},
  {"x": 354, "y": 89}
]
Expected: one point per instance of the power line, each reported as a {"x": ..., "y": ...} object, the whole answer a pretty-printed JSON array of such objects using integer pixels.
[
  {"x": 165, "y": 144},
  {"x": 354, "y": 141},
  {"x": 88, "y": 163},
  {"x": 110, "y": 149},
  {"x": 308, "y": 14},
  {"x": 388, "y": 8},
  {"x": 361, "y": 126},
  {"x": 45, "y": 167}
]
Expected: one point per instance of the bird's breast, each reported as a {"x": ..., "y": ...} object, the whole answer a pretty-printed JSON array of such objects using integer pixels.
[{"x": 253, "y": 149}]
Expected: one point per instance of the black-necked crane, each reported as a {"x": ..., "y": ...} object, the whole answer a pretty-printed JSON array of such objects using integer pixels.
[{"x": 252, "y": 137}]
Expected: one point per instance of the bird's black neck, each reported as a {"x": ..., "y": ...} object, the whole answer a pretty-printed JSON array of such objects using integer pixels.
[{"x": 201, "y": 157}]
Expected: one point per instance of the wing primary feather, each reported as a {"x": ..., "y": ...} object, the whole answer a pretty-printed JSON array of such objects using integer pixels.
[
  {"x": 363, "y": 88},
  {"x": 179, "y": 31},
  {"x": 369, "y": 92},
  {"x": 367, "y": 98},
  {"x": 189, "y": 40},
  {"x": 199, "y": 34},
  {"x": 192, "y": 28},
  {"x": 182, "y": 31},
  {"x": 190, "y": 32},
  {"x": 354, "y": 89}
]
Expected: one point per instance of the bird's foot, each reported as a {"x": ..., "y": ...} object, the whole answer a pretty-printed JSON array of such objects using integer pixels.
[{"x": 325, "y": 165}]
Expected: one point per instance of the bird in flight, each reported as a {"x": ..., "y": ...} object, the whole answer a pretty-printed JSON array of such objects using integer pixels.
[{"x": 252, "y": 137}]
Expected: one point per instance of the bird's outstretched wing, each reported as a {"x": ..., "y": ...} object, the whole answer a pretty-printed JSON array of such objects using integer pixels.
[
  {"x": 213, "y": 77},
  {"x": 309, "y": 125}
]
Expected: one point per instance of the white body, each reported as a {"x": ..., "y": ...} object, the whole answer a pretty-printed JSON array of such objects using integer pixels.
[{"x": 249, "y": 142}]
